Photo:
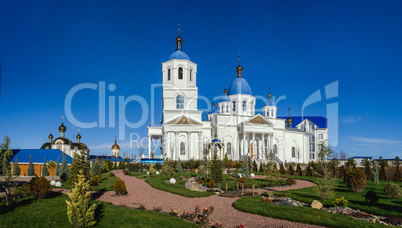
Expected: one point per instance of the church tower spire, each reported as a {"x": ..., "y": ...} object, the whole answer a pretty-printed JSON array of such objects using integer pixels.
[
  {"x": 239, "y": 69},
  {"x": 179, "y": 40}
]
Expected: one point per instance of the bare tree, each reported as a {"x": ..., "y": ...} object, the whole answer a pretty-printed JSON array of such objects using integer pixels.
[{"x": 299, "y": 154}]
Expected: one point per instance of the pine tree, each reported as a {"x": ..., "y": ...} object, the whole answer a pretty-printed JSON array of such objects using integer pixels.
[
  {"x": 178, "y": 169},
  {"x": 383, "y": 163},
  {"x": 309, "y": 173},
  {"x": 326, "y": 184},
  {"x": 261, "y": 169},
  {"x": 93, "y": 168},
  {"x": 80, "y": 163},
  {"x": 298, "y": 170},
  {"x": 97, "y": 168},
  {"x": 31, "y": 170},
  {"x": 58, "y": 167},
  {"x": 45, "y": 171},
  {"x": 245, "y": 169},
  {"x": 282, "y": 169},
  {"x": 351, "y": 163},
  {"x": 64, "y": 170},
  {"x": 342, "y": 172},
  {"x": 397, "y": 175},
  {"x": 103, "y": 167},
  {"x": 17, "y": 170},
  {"x": 254, "y": 166},
  {"x": 376, "y": 176},
  {"x": 367, "y": 168},
  {"x": 290, "y": 170},
  {"x": 216, "y": 169},
  {"x": 79, "y": 211}
]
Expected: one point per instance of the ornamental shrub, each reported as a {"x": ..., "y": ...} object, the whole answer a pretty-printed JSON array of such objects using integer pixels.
[
  {"x": 342, "y": 172},
  {"x": 230, "y": 178},
  {"x": 178, "y": 169},
  {"x": 39, "y": 186},
  {"x": 112, "y": 174},
  {"x": 393, "y": 190},
  {"x": 298, "y": 170},
  {"x": 355, "y": 180},
  {"x": 31, "y": 170},
  {"x": 211, "y": 184},
  {"x": 267, "y": 200},
  {"x": 376, "y": 177},
  {"x": 17, "y": 170},
  {"x": 309, "y": 173},
  {"x": 341, "y": 202},
  {"x": 45, "y": 171},
  {"x": 261, "y": 169},
  {"x": 120, "y": 187},
  {"x": 242, "y": 179},
  {"x": 290, "y": 181},
  {"x": 290, "y": 170},
  {"x": 371, "y": 196},
  {"x": 282, "y": 169},
  {"x": 245, "y": 169},
  {"x": 254, "y": 166},
  {"x": 97, "y": 178},
  {"x": 125, "y": 172},
  {"x": 151, "y": 169}
]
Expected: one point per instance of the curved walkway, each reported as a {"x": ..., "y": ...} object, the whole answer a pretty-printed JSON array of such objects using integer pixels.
[{"x": 140, "y": 192}]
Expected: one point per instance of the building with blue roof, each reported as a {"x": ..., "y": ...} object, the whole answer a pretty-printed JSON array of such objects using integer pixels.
[{"x": 242, "y": 132}]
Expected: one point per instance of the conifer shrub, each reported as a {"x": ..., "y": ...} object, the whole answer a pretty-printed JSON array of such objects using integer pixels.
[
  {"x": 254, "y": 166},
  {"x": 282, "y": 169},
  {"x": 151, "y": 170},
  {"x": 17, "y": 170},
  {"x": 298, "y": 170},
  {"x": 340, "y": 202},
  {"x": 242, "y": 179},
  {"x": 125, "y": 171},
  {"x": 45, "y": 171},
  {"x": 397, "y": 175},
  {"x": 393, "y": 191},
  {"x": 290, "y": 181},
  {"x": 230, "y": 178},
  {"x": 376, "y": 177},
  {"x": 178, "y": 169},
  {"x": 371, "y": 196},
  {"x": 97, "y": 178},
  {"x": 245, "y": 169},
  {"x": 119, "y": 187},
  {"x": 31, "y": 170},
  {"x": 290, "y": 170},
  {"x": 216, "y": 169},
  {"x": 342, "y": 171},
  {"x": 261, "y": 169},
  {"x": 211, "y": 184},
  {"x": 267, "y": 200},
  {"x": 79, "y": 211},
  {"x": 39, "y": 186},
  {"x": 112, "y": 174},
  {"x": 355, "y": 180},
  {"x": 309, "y": 173}
]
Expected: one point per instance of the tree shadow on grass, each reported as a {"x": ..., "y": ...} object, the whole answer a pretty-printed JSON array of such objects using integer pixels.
[
  {"x": 96, "y": 195},
  {"x": 379, "y": 205},
  {"x": 99, "y": 212},
  {"x": 28, "y": 200}
]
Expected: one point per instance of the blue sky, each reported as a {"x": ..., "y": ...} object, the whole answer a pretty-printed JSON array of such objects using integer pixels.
[{"x": 293, "y": 47}]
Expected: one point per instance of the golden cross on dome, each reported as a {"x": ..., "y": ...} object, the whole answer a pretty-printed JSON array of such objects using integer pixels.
[
  {"x": 78, "y": 130},
  {"x": 239, "y": 58},
  {"x": 50, "y": 131},
  {"x": 178, "y": 28},
  {"x": 62, "y": 118},
  {"x": 289, "y": 110}
]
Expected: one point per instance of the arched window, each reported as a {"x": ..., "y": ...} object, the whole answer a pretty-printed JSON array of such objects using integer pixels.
[
  {"x": 275, "y": 149},
  {"x": 221, "y": 109},
  {"x": 191, "y": 74},
  {"x": 229, "y": 148},
  {"x": 234, "y": 106},
  {"x": 293, "y": 152},
  {"x": 180, "y": 73},
  {"x": 180, "y": 102},
  {"x": 227, "y": 109},
  {"x": 267, "y": 113},
  {"x": 168, "y": 74},
  {"x": 244, "y": 105},
  {"x": 182, "y": 148}
]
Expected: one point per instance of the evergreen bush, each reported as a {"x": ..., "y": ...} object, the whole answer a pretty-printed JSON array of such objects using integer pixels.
[
  {"x": 376, "y": 177},
  {"x": 371, "y": 196},
  {"x": 178, "y": 169},
  {"x": 151, "y": 170},
  {"x": 216, "y": 169},
  {"x": 382, "y": 163},
  {"x": 261, "y": 169},
  {"x": 31, "y": 170},
  {"x": 45, "y": 171},
  {"x": 97, "y": 178},
  {"x": 393, "y": 191},
  {"x": 211, "y": 184},
  {"x": 64, "y": 170},
  {"x": 79, "y": 211},
  {"x": 17, "y": 170},
  {"x": 58, "y": 167},
  {"x": 245, "y": 169},
  {"x": 355, "y": 180},
  {"x": 309, "y": 173},
  {"x": 119, "y": 187},
  {"x": 397, "y": 175},
  {"x": 254, "y": 166},
  {"x": 342, "y": 172},
  {"x": 39, "y": 186},
  {"x": 282, "y": 169},
  {"x": 298, "y": 170},
  {"x": 290, "y": 170}
]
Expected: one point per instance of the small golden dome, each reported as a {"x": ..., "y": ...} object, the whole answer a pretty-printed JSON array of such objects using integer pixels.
[
  {"x": 62, "y": 128},
  {"x": 78, "y": 136},
  {"x": 50, "y": 136},
  {"x": 239, "y": 69},
  {"x": 225, "y": 91},
  {"x": 115, "y": 146},
  {"x": 269, "y": 94},
  {"x": 179, "y": 40},
  {"x": 213, "y": 104}
]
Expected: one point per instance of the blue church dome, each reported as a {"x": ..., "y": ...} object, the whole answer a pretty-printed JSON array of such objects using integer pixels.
[
  {"x": 239, "y": 86},
  {"x": 179, "y": 54}
]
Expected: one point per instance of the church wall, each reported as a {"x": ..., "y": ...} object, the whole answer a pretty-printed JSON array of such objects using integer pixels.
[{"x": 37, "y": 168}]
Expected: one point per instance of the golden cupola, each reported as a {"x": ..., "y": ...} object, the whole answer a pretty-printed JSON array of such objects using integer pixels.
[
  {"x": 289, "y": 120},
  {"x": 50, "y": 136},
  {"x": 115, "y": 149},
  {"x": 78, "y": 137},
  {"x": 62, "y": 128},
  {"x": 179, "y": 40},
  {"x": 239, "y": 69}
]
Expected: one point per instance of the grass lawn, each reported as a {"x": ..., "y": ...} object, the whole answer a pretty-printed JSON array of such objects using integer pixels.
[
  {"x": 52, "y": 212},
  {"x": 253, "y": 204},
  {"x": 385, "y": 206},
  {"x": 105, "y": 185}
]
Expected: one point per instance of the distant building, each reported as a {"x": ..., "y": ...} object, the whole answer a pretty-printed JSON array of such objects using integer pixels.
[{"x": 38, "y": 156}]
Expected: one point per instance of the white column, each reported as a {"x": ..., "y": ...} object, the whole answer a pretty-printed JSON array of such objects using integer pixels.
[
  {"x": 253, "y": 145},
  {"x": 200, "y": 151},
  {"x": 263, "y": 146},
  {"x": 176, "y": 146},
  {"x": 149, "y": 145},
  {"x": 188, "y": 149}
]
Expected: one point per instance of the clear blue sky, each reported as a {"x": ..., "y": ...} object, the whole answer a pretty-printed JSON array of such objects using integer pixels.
[{"x": 293, "y": 47}]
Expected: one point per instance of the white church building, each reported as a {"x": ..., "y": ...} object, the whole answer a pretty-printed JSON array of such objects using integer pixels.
[{"x": 232, "y": 127}]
